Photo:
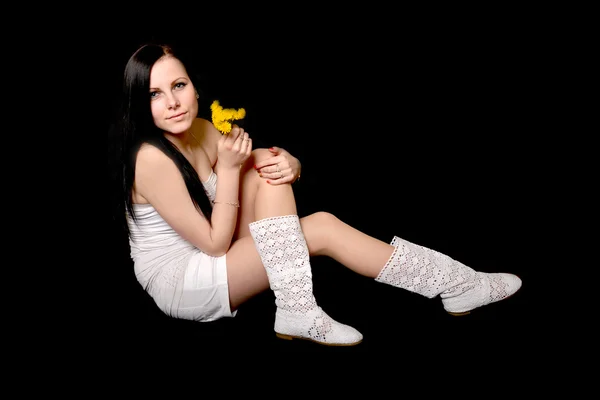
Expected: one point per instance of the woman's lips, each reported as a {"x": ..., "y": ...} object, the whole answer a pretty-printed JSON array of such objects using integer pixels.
[{"x": 178, "y": 116}]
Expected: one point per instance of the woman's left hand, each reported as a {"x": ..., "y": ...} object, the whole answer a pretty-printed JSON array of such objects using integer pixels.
[{"x": 281, "y": 168}]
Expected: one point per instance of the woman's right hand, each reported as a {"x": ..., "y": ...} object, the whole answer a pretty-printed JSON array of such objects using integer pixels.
[{"x": 234, "y": 148}]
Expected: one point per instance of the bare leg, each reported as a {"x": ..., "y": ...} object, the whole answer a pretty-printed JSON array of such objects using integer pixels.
[
  {"x": 324, "y": 233},
  {"x": 245, "y": 272},
  {"x": 388, "y": 263},
  {"x": 407, "y": 265},
  {"x": 327, "y": 235},
  {"x": 279, "y": 240},
  {"x": 258, "y": 199}
]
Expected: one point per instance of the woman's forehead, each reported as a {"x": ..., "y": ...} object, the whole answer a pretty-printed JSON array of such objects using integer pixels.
[{"x": 166, "y": 70}]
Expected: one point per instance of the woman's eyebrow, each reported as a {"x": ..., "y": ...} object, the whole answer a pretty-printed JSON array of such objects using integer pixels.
[{"x": 181, "y": 77}]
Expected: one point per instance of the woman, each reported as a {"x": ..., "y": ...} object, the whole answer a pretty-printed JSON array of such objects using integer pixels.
[{"x": 212, "y": 222}]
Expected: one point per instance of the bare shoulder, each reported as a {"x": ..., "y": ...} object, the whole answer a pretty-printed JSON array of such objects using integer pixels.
[
  {"x": 152, "y": 166},
  {"x": 205, "y": 129},
  {"x": 149, "y": 154},
  {"x": 150, "y": 159}
]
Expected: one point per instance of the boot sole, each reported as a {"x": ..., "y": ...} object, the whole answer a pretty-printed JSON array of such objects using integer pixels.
[
  {"x": 290, "y": 337},
  {"x": 460, "y": 314}
]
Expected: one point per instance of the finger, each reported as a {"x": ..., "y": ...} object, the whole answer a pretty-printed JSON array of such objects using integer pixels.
[
  {"x": 235, "y": 133},
  {"x": 270, "y": 169},
  {"x": 245, "y": 143},
  {"x": 280, "y": 166},
  {"x": 277, "y": 182},
  {"x": 275, "y": 149},
  {"x": 281, "y": 181},
  {"x": 249, "y": 147},
  {"x": 229, "y": 139},
  {"x": 240, "y": 142},
  {"x": 270, "y": 162},
  {"x": 241, "y": 134},
  {"x": 276, "y": 175},
  {"x": 264, "y": 163},
  {"x": 283, "y": 165}
]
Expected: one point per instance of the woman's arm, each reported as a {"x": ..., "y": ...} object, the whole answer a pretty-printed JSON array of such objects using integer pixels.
[
  {"x": 226, "y": 204},
  {"x": 160, "y": 182}
]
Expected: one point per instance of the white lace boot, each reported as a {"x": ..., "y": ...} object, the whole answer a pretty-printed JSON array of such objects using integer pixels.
[
  {"x": 429, "y": 273},
  {"x": 284, "y": 253}
]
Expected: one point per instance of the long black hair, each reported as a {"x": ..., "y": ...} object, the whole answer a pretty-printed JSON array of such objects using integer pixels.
[{"x": 134, "y": 126}]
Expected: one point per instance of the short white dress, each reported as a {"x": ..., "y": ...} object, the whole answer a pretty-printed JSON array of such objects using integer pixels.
[{"x": 183, "y": 281}]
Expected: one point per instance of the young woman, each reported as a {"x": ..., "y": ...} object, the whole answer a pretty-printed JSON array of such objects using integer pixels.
[{"x": 212, "y": 222}]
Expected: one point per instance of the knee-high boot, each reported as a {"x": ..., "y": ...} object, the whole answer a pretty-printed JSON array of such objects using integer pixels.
[
  {"x": 282, "y": 247},
  {"x": 430, "y": 273}
]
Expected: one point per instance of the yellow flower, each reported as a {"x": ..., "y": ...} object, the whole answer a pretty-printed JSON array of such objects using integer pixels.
[{"x": 223, "y": 117}]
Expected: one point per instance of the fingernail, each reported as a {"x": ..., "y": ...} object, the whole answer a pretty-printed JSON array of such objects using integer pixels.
[{"x": 255, "y": 167}]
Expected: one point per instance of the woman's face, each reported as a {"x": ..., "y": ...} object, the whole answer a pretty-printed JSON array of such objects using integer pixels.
[{"x": 172, "y": 96}]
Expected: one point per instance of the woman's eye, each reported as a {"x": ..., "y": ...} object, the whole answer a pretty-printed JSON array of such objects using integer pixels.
[{"x": 180, "y": 85}]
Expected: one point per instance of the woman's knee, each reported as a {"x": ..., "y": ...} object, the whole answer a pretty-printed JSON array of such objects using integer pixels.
[
  {"x": 323, "y": 218},
  {"x": 261, "y": 154},
  {"x": 248, "y": 166},
  {"x": 317, "y": 229},
  {"x": 257, "y": 155}
]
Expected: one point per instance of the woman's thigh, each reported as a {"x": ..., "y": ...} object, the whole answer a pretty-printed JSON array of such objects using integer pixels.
[
  {"x": 246, "y": 275},
  {"x": 250, "y": 182}
]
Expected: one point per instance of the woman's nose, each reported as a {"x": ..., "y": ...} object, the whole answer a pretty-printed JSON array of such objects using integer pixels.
[{"x": 172, "y": 102}]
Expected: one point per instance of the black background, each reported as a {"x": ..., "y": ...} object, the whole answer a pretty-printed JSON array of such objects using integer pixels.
[{"x": 421, "y": 125}]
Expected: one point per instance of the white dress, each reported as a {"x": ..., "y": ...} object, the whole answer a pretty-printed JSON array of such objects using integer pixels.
[{"x": 183, "y": 281}]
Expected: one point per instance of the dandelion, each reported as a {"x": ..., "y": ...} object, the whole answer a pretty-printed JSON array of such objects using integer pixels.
[{"x": 222, "y": 118}]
